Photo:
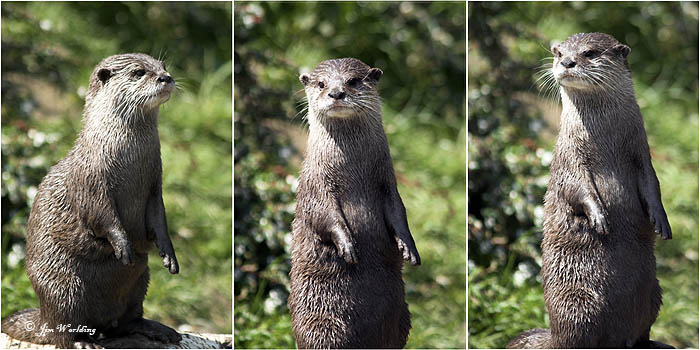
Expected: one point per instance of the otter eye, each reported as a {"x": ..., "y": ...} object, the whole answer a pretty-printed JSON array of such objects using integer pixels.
[
  {"x": 140, "y": 72},
  {"x": 165, "y": 69},
  {"x": 321, "y": 85},
  {"x": 589, "y": 53},
  {"x": 354, "y": 82}
]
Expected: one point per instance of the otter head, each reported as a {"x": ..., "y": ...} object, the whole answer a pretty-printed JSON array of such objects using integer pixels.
[
  {"x": 591, "y": 61},
  {"x": 342, "y": 88},
  {"x": 129, "y": 84}
]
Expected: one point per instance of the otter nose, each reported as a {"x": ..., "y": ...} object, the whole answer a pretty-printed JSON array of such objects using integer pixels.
[
  {"x": 165, "y": 78},
  {"x": 337, "y": 94},
  {"x": 568, "y": 63}
]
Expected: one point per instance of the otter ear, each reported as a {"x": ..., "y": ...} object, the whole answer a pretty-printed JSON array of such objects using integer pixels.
[
  {"x": 373, "y": 75},
  {"x": 304, "y": 79},
  {"x": 623, "y": 50},
  {"x": 104, "y": 74},
  {"x": 554, "y": 49}
]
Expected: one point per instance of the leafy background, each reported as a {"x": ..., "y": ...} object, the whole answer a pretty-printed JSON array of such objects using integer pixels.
[
  {"x": 512, "y": 130},
  {"x": 421, "y": 49},
  {"x": 49, "y": 50}
]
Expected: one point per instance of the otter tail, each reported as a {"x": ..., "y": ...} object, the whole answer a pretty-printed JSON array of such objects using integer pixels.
[
  {"x": 537, "y": 338},
  {"x": 25, "y": 325}
]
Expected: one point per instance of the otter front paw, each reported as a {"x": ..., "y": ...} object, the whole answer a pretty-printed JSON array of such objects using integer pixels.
[
  {"x": 596, "y": 215},
  {"x": 598, "y": 222},
  {"x": 340, "y": 235},
  {"x": 170, "y": 262},
  {"x": 120, "y": 244},
  {"x": 122, "y": 250},
  {"x": 408, "y": 251},
  {"x": 659, "y": 219},
  {"x": 347, "y": 252}
]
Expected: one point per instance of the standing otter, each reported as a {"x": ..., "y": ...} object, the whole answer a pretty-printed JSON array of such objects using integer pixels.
[
  {"x": 602, "y": 207},
  {"x": 97, "y": 214},
  {"x": 350, "y": 231}
]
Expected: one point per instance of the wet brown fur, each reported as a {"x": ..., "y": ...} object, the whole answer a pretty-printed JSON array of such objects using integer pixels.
[
  {"x": 350, "y": 231},
  {"x": 602, "y": 207},
  {"x": 99, "y": 211}
]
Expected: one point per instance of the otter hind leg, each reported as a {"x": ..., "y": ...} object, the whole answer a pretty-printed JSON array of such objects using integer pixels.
[
  {"x": 151, "y": 329},
  {"x": 651, "y": 344},
  {"x": 132, "y": 321}
]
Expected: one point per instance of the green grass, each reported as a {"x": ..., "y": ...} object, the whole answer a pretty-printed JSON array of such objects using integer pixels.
[
  {"x": 433, "y": 191},
  {"x": 499, "y": 311},
  {"x": 673, "y": 139}
]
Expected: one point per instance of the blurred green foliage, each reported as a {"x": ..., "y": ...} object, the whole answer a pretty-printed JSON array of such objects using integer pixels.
[
  {"x": 421, "y": 48},
  {"x": 49, "y": 50},
  {"x": 512, "y": 129}
]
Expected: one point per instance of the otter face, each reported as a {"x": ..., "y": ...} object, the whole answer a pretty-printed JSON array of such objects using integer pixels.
[
  {"x": 590, "y": 61},
  {"x": 130, "y": 83},
  {"x": 342, "y": 88}
]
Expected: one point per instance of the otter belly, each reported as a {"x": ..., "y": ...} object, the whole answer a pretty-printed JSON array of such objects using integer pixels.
[
  {"x": 335, "y": 304},
  {"x": 348, "y": 306},
  {"x": 600, "y": 289}
]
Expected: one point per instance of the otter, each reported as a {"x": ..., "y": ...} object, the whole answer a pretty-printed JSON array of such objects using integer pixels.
[
  {"x": 602, "y": 206},
  {"x": 98, "y": 212},
  {"x": 350, "y": 231}
]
